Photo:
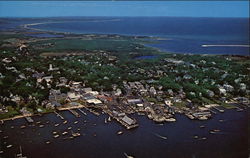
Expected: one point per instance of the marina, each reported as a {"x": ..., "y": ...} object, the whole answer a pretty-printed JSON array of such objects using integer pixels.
[{"x": 62, "y": 135}]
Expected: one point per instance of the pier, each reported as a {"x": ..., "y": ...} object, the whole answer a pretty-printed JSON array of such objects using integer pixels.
[
  {"x": 212, "y": 111},
  {"x": 29, "y": 119},
  {"x": 84, "y": 113},
  {"x": 57, "y": 114},
  {"x": 74, "y": 113},
  {"x": 92, "y": 111}
]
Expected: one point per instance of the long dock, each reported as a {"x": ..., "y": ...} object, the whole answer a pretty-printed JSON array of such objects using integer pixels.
[
  {"x": 220, "y": 110},
  {"x": 57, "y": 114},
  {"x": 74, "y": 113},
  {"x": 84, "y": 113},
  {"x": 29, "y": 119}
]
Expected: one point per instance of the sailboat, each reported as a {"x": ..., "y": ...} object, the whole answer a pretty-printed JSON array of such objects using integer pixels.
[
  {"x": 109, "y": 119},
  {"x": 20, "y": 155}
]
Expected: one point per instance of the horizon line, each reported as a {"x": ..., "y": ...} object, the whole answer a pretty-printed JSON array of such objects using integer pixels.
[{"x": 122, "y": 16}]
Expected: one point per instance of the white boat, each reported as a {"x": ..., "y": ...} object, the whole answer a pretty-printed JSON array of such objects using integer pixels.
[
  {"x": 64, "y": 122},
  {"x": 9, "y": 146},
  {"x": 41, "y": 126},
  {"x": 204, "y": 138},
  {"x": 64, "y": 133},
  {"x": 75, "y": 122},
  {"x": 1, "y": 151},
  {"x": 69, "y": 128},
  {"x": 105, "y": 121},
  {"x": 54, "y": 132},
  {"x": 56, "y": 124},
  {"x": 56, "y": 136},
  {"x": 120, "y": 132}
]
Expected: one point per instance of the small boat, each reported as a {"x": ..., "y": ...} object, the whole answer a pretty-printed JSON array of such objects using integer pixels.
[
  {"x": 1, "y": 131},
  {"x": 69, "y": 128},
  {"x": 5, "y": 137},
  {"x": 38, "y": 122},
  {"x": 1, "y": 151},
  {"x": 120, "y": 132},
  {"x": 54, "y": 132},
  {"x": 22, "y": 127},
  {"x": 109, "y": 119},
  {"x": 9, "y": 146},
  {"x": 64, "y": 122},
  {"x": 94, "y": 124},
  {"x": 163, "y": 137},
  {"x": 78, "y": 129},
  {"x": 212, "y": 132},
  {"x": 202, "y": 126},
  {"x": 47, "y": 142},
  {"x": 64, "y": 133},
  {"x": 75, "y": 122},
  {"x": 20, "y": 155},
  {"x": 56, "y": 136},
  {"x": 216, "y": 130},
  {"x": 203, "y": 138},
  {"x": 76, "y": 134},
  {"x": 56, "y": 124},
  {"x": 196, "y": 137},
  {"x": 41, "y": 126},
  {"x": 128, "y": 156},
  {"x": 85, "y": 121},
  {"x": 221, "y": 120},
  {"x": 47, "y": 122},
  {"x": 12, "y": 127},
  {"x": 105, "y": 121}
]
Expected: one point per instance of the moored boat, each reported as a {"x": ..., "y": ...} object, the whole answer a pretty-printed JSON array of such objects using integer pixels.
[
  {"x": 120, "y": 132},
  {"x": 9, "y": 146}
]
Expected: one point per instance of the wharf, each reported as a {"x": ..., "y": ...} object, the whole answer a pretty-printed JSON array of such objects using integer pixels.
[
  {"x": 74, "y": 113},
  {"x": 29, "y": 119},
  {"x": 120, "y": 120},
  {"x": 57, "y": 114}
]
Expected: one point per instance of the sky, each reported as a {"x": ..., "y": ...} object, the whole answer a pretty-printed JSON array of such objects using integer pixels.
[{"x": 124, "y": 8}]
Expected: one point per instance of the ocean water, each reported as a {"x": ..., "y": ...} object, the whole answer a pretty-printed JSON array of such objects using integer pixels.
[
  {"x": 141, "y": 142},
  {"x": 180, "y": 35}
]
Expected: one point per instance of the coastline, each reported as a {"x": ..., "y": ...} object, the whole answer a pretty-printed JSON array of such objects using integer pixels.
[{"x": 155, "y": 38}]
